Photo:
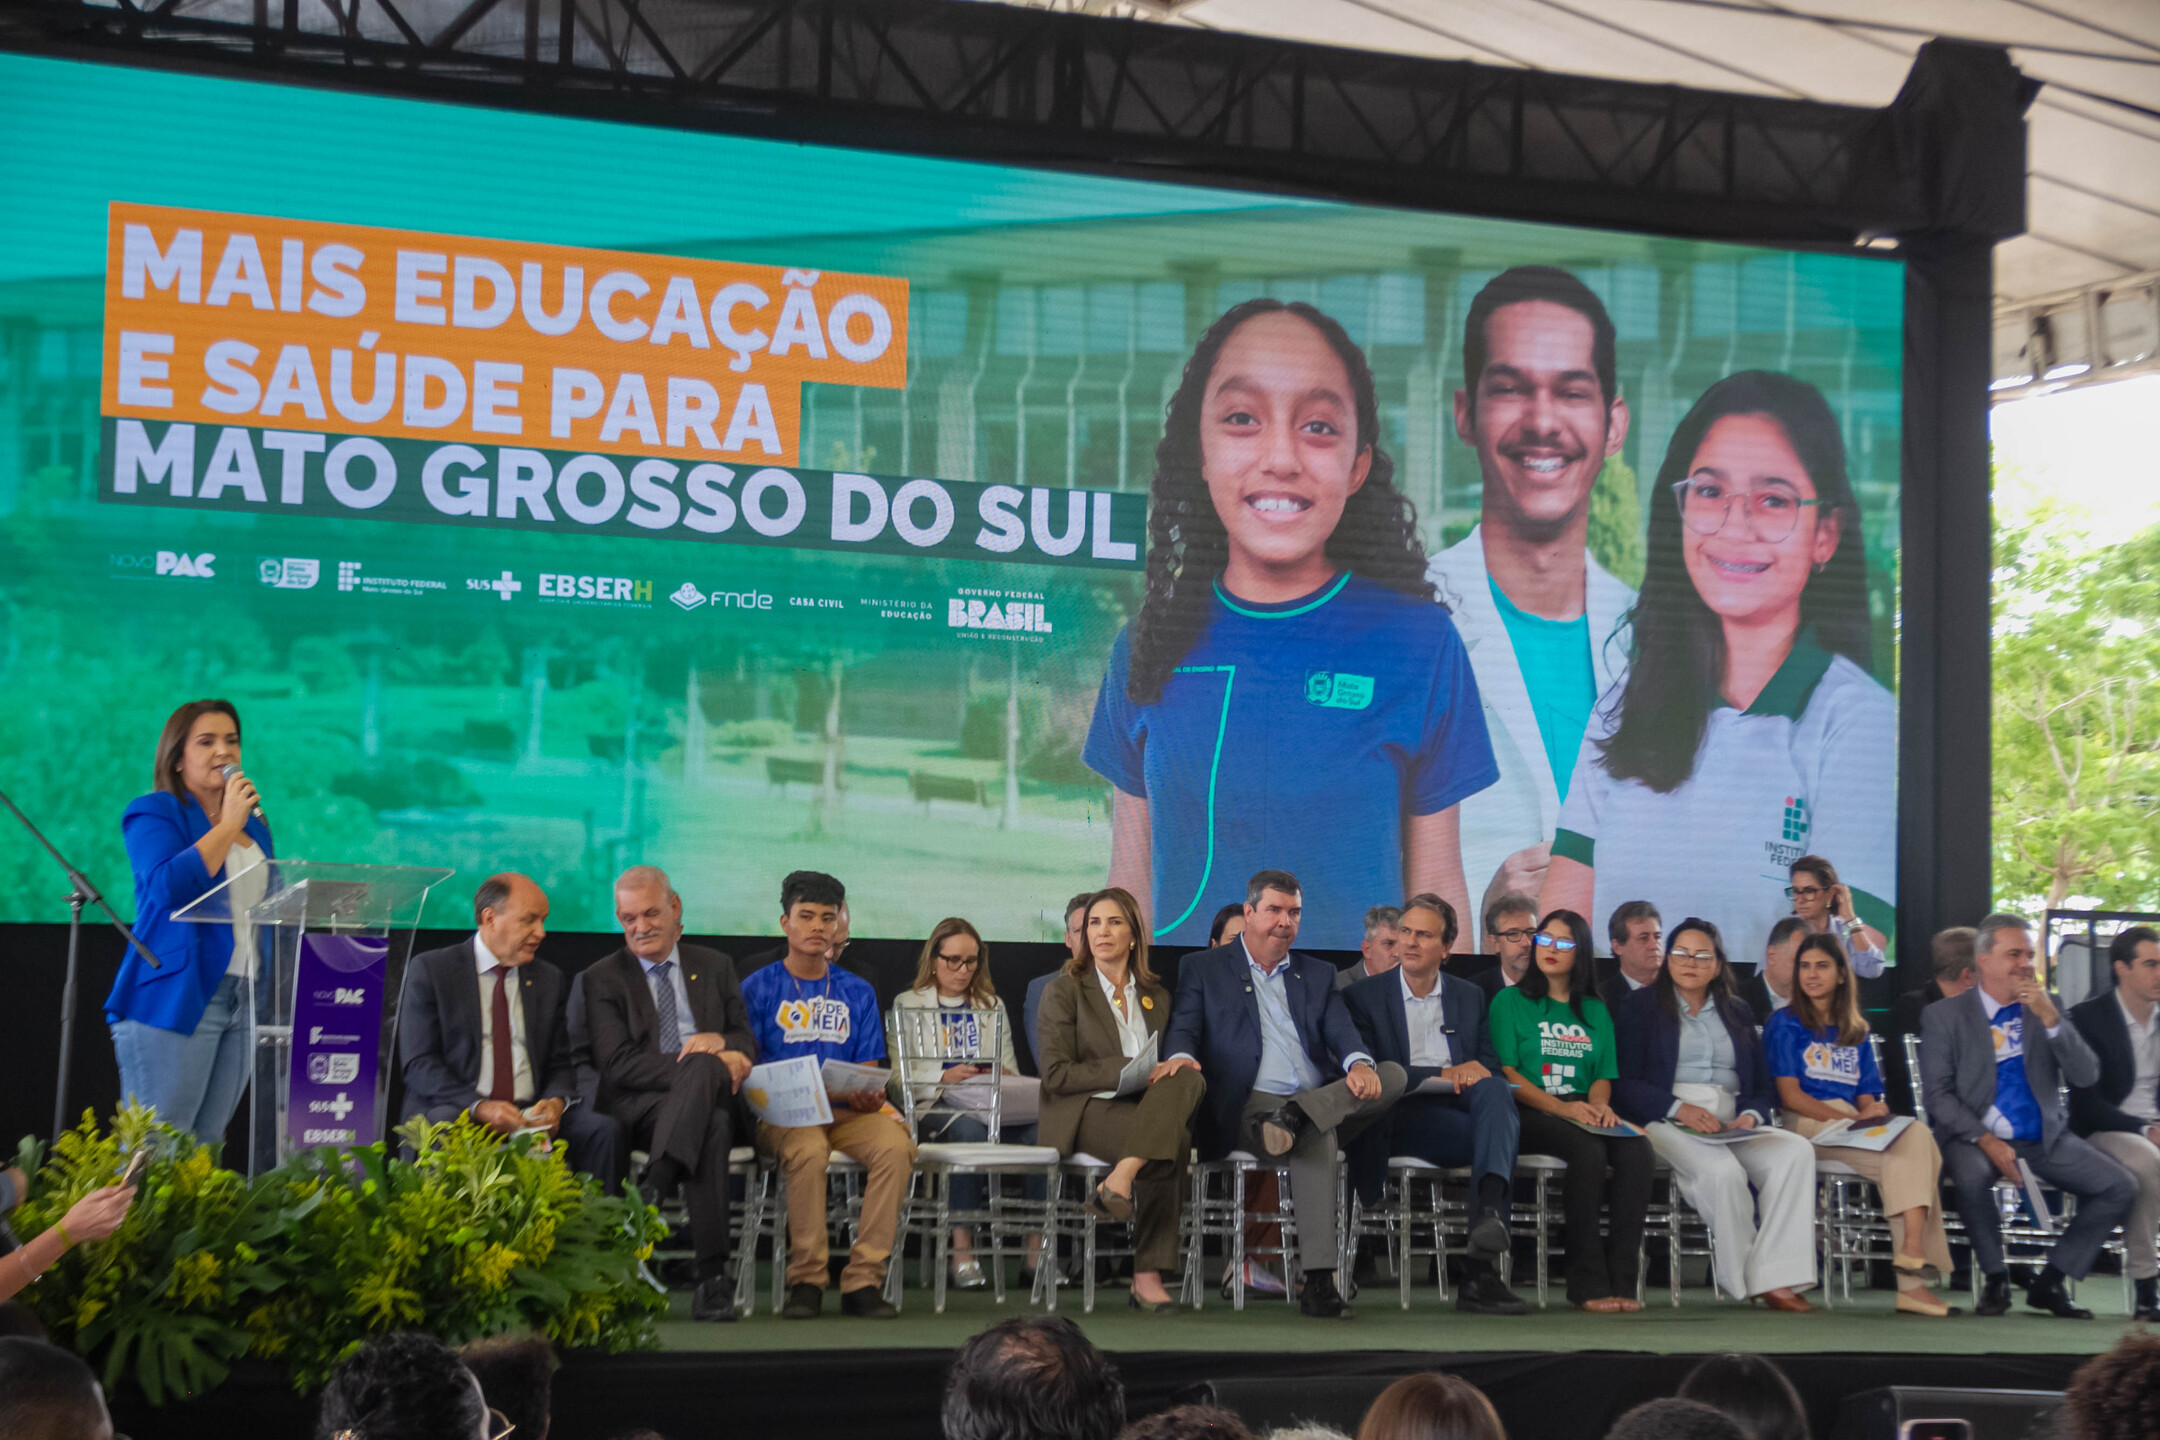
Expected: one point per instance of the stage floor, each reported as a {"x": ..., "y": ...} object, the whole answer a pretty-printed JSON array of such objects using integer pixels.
[{"x": 1701, "y": 1324}]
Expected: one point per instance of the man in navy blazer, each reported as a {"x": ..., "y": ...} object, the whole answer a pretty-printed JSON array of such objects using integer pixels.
[
  {"x": 1287, "y": 1073},
  {"x": 458, "y": 1004},
  {"x": 2120, "y": 1113},
  {"x": 1433, "y": 1025}
]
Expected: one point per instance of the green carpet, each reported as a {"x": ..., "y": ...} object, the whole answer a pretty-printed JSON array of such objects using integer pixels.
[{"x": 1701, "y": 1324}]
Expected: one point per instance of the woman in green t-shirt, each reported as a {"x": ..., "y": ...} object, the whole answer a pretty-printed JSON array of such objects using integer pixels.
[{"x": 1555, "y": 1041}]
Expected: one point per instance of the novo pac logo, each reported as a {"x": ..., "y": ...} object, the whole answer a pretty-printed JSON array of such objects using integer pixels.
[
  {"x": 180, "y": 564},
  {"x": 289, "y": 574}
]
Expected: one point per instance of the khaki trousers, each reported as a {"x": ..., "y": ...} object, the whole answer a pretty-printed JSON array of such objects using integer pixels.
[
  {"x": 1909, "y": 1175},
  {"x": 2141, "y": 1158},
  {"x": 880, "y": 1144}
]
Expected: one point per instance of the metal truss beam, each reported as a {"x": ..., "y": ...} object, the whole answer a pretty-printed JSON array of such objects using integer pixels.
[{"x": 995, "y": 81}]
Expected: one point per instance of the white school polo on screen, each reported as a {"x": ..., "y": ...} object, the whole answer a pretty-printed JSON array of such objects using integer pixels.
[{"x": 1809, "y": 768}]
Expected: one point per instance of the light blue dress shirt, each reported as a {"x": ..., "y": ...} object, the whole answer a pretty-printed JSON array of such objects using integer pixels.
[
  {"x": 1285, "y": 1068},
  {"x": 684, "y": 1021},
  {"x": 1706, "y": 1051}
]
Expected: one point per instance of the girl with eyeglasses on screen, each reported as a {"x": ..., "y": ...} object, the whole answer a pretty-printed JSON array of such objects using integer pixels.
[{"x": 1749, "y": 730}]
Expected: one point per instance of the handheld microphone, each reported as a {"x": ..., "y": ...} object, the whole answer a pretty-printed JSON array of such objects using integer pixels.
[{"x": 228, "y": 771}]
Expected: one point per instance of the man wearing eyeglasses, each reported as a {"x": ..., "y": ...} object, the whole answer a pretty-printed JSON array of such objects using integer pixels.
[
  {"x": 1543, "y": 621},
  {"x": 1510, "y": 922}
]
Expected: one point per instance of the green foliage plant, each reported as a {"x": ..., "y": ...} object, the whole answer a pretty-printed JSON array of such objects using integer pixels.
[{"x": 473, "y": 1236}]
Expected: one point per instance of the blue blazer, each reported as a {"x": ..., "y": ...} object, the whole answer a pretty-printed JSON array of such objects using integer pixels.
[
  {"x": 161, "y": 830},
  {"x": 1649, "y": 1041},
  {"x": 1376, "y": 1005},
  {"x": 1216, "y": 1020}
]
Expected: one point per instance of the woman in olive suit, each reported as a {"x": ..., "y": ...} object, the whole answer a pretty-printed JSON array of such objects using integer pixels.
[{"x": 1095, "y": 1016}]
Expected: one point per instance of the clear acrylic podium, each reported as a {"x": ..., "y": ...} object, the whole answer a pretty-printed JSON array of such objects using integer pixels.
[{"x": 331, "y": 941}]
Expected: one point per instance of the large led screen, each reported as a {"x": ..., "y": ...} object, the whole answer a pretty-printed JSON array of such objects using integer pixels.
[{"x": 557, "y": 495}]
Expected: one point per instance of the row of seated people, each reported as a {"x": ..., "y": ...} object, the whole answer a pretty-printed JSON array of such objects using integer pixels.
[{"x": 1262, "y": 1052}]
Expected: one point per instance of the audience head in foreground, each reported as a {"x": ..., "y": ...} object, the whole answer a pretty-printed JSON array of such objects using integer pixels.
[
  {"x": 47, "y": 1393},
  {"x": 405, "y": 1386},
  {"x": 1676, "y": 1420},
  {"x": 1753, "y": 1391},
  {"x": 517, "y": 1379},
  {"x": 1033, "y": 1377},
  {"x": 1190, "y": 1422},
  {"x": 2116, "y": 1394},
  {"x": 1431, "y": 1406}
]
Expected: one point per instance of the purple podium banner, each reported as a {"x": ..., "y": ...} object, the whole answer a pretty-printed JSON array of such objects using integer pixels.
[{"x": 336, "y": 1040}]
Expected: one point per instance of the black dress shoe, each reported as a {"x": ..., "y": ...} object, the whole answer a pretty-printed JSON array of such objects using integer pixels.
[
  {"x": 2051, "y": 1297},
  {"x": 1321, "y": 1300},
  {"x": 804, "y": 1302},
  {"x": 1280, "y": 1131},
  {"x": 1483, "y": 1292},
  {"x": 1489, "y": 1237},
  {"x": 713, "y": 1299},
  {"x": 1994, "y": 1296},
  {"x": 868, "y": 1303}
]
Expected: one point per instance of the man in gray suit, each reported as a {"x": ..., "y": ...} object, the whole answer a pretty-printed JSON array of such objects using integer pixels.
[
  {"x": 1992, "y": 1064},
  {"x": 1379, "y": 954}
]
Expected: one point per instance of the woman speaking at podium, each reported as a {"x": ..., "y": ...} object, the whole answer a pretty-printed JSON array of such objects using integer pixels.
[{"x": 180, "y": 1032}]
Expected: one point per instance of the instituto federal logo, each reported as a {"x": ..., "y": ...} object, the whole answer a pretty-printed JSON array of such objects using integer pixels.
[
  {"x": 505, "y": 585},
  {"x": 688, "y": 596},
  {"x": 289, "y": 574}
]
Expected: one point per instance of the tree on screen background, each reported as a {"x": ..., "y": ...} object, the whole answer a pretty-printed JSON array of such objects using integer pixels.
[{"x": 2076, "y": 716}]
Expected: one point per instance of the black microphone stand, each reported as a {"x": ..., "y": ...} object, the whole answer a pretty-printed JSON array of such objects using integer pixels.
[{"x": 83, "y": 894}]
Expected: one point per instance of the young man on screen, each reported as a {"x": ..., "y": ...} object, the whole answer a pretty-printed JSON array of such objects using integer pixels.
[
  {"x": 804, "y": 1005},
  {"x": 1543, "y": 621}
]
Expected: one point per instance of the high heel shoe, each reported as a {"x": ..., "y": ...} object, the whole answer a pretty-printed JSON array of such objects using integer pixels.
[
  {"x": 968, "y": 1275},
  {"x": 1150, "y": 1307},
  {"x": 1789, "y": 1304},
  {"x": 1109, "y": 1205}
]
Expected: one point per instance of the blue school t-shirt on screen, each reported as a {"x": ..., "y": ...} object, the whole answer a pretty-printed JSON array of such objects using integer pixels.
[{"x": 1295, "y": 736}]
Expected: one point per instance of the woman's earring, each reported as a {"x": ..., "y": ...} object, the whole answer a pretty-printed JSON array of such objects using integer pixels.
[{"x": 1821, "y": 565}]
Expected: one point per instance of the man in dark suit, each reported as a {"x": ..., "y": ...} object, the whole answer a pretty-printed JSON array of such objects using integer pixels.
[
  {"x": 2120, "y": 1114},
  {"x": 1954, "y": 975},
  {"x": 481, "y": 1028},
  {"x": 1991, "y": 1061},
  {"x": 1377, "y": 951},
  {"x": 1433, "y": 1025},
  {"x": 1288, "y": 1075},
  {"x": 1770, "y": 988},
  {"x": 1637, "y": 934},
  {"x": 671, "y": 1040}
]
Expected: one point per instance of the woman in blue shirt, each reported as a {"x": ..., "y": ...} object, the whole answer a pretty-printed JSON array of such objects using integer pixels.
[
  {"x": 1825, "y": 1071},
  {"x": 1290, "y": 694},
  {"x": 181, "y": 1031}
]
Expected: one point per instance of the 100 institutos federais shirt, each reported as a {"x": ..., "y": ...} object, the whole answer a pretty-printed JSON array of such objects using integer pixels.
[{"x": 1549, "y": 1045}]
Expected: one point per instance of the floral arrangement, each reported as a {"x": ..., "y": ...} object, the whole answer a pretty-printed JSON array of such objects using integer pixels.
[{"x": 474, "y": 1236}]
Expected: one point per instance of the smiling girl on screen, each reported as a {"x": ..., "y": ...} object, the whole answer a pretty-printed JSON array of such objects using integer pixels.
[
  {"x": 1748, "y": 731},
  {"x": 1290, "y": 696}
]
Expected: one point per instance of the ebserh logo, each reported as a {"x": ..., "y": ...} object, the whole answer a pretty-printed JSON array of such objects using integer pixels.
[
  {"x": 185, "y": 566},
  {"x": 290, "y": 574},
  {"x": 348, "y": 574},
  {"x": 688, "y": 596},
  {"x": 506, "y": 585}
]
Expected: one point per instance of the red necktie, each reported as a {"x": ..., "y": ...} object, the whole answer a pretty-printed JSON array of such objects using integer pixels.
[{"x": 504, "y": 1085}]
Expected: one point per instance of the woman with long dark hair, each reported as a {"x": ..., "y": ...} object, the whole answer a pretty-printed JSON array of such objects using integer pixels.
[
  {"x": 181, "y": 1032},
  {"x": 1692, "y": 1075},
  {"x": 1749, "y": 729},
  {"x": 1289, "y": 694},
  {"x": 1556, "y": 1047}
]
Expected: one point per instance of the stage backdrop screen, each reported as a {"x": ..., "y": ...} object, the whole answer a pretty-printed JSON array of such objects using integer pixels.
[{"x": 556, "y": 495}]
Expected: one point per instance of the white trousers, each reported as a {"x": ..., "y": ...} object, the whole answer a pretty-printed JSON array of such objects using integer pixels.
[{"x": 1762, "y": 1238}]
